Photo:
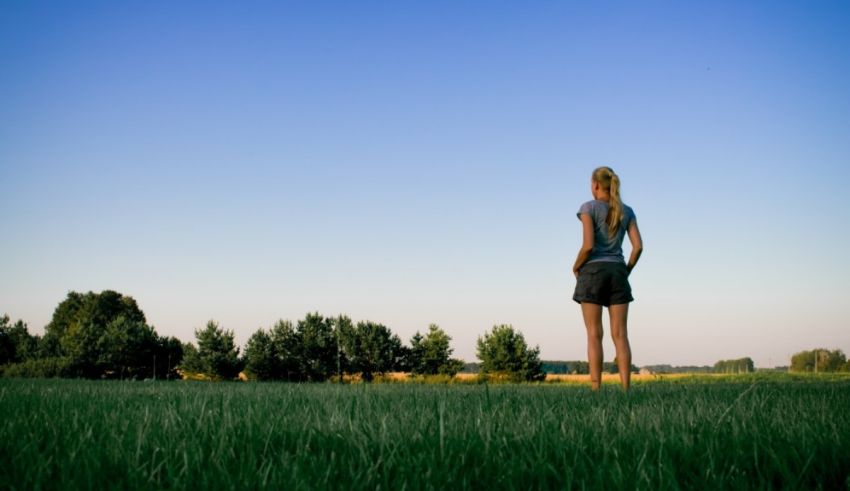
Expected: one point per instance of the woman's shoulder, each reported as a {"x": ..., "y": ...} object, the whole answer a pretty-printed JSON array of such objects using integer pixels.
[
  {"x": 593, "y": 204},
  {"x": 591, "y": 207}
]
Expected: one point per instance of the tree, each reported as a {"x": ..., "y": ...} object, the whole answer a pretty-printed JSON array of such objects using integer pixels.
[
  {"x": 740, "y": 365},
  {"x": 431, "y": 354},
  {"x": 132, "y": 349},
  {"x": 818, "y": 360},
  {"x": 216, "y": 354},
  {"x": 343, "y": 332},
  {"x": 93, "y": 335},
  {"x": 79, "y": 344},
  {"x": 286, "y": 343},
  {"x": 169, "y": 354},
  {"x": 79, "y": 322},
  {"x": 372, "y": 348},
  {"x": 566, "y": 367},
  {"x": 579, "y": 367},
  {"x": 16, "y": 343},
  {"x": 191, "y": 360},
  {"x": 803, "y": 361},
  {"x": 308, "y": 352},
  {"x": 830, "y": 361},
  {"x": 504, "y": 351},
  {"x": 8, "y": 353},
  {"x": 126, "y": 349},
  {"x": 318, "y": 353},
  {"x": 95, "y": 309},
  {"x": 260, "y": 359}
]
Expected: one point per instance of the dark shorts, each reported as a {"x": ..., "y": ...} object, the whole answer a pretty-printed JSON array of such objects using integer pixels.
[{"x": 603, "y": 283}]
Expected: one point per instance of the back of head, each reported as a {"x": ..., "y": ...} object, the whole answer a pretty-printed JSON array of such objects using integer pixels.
[{"x": 610, "y": 182}]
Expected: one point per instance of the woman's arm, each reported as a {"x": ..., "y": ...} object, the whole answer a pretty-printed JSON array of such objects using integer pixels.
[
  {"x": 637, "y": 244},
  {"x": 586, "y": 243}
]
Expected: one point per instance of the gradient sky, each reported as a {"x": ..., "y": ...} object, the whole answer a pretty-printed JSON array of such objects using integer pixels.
[{"x": 422, "y": 162}]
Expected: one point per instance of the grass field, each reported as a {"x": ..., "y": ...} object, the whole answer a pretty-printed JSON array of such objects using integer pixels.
[{"x": 747, "y": 432}]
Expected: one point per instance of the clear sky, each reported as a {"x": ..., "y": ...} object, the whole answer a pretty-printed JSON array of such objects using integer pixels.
[{"x": 422, "y": 162}]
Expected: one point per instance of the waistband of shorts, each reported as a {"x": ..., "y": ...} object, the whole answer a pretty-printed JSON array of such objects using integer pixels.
[{"x": 600, "y": 263}]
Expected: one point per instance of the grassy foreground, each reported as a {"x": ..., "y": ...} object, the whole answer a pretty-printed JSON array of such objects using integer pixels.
[{"x": 193, "y": 435}]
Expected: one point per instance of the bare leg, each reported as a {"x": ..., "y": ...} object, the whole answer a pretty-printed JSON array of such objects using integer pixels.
[
  {"x": 619, "y": 315},
  {"x": 592, "y": 314}
]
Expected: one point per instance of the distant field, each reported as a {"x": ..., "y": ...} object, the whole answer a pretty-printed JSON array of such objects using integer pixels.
[
  {"x": 762, "y": 431},
  {"x": 613, "y": 378}
]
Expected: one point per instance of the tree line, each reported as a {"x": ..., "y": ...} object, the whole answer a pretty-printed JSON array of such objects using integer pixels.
[
  {"x": 318, "y": 348},
  {"x": 820, "y": 360},
  {"x": 105, "y": 335},
  {"x": 740, "y": 365}
]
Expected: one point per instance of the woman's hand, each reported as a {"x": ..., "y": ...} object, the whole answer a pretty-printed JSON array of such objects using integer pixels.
[{"x": 637, "y": 245}]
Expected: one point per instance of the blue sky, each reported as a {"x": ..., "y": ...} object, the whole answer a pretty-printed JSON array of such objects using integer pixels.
[{"x": 422, "y": 162}]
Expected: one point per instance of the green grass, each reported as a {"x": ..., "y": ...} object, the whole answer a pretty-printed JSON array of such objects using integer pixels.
[{"x": 756, "y": 433}]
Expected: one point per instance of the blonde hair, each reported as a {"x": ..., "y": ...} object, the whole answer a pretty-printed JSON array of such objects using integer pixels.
[{"x": 610, "y": 182}]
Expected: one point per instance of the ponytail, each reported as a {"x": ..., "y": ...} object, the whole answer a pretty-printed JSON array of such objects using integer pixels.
[
  {"x": 610, "y": 181},
  {"x": 615, "y": 206}
]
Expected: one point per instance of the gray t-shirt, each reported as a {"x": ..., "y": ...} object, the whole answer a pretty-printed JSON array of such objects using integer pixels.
[{"x": 604, "y": 247}]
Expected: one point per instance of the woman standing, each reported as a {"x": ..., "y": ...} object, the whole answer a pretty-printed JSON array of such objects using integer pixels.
[{"x": 602, "y": 273}]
